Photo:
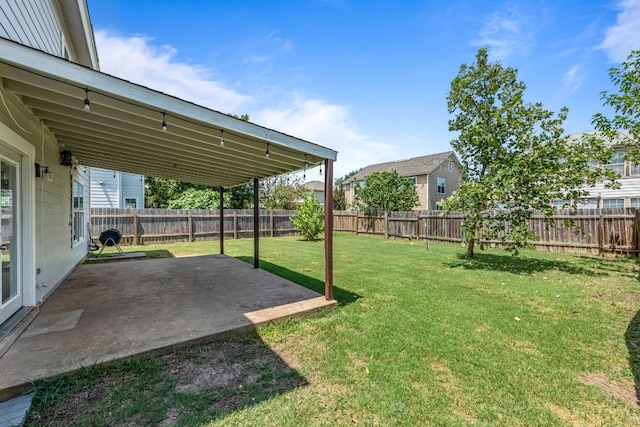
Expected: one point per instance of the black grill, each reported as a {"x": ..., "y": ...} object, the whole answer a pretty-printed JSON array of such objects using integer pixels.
[{"x": 110, "y": 237}]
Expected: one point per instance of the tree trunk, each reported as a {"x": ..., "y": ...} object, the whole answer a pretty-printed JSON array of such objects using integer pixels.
[{"x": 470, "y": 244}]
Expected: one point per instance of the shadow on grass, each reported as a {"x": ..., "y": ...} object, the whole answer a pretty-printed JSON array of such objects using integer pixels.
[
  {"x": 588, "y": 266},
  {"x": 192, "y": 387},
  {"x": 342, "y": 296},
  {"x": 632, "y": 338}
]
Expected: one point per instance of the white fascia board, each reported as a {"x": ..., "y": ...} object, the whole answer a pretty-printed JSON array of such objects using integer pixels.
[{"x": 78, "y": 75}]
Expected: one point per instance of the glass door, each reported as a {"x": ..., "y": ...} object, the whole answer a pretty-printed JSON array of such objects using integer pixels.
[{"x": 11, "y": 300}]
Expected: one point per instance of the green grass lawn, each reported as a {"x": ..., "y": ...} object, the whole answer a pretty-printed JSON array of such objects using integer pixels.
[{"x": 421, "y": 337}]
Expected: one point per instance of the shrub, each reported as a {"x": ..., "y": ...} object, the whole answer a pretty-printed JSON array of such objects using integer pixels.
[{"x": 309, "y": 218}]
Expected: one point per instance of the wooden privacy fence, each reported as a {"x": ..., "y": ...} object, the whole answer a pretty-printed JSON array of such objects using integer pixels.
[
  {"x": 596, "y": 231},
  {"x": 144, "y": 226}
]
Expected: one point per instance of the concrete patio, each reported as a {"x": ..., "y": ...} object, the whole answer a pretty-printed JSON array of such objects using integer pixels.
[{"x": 118, "y": 310}]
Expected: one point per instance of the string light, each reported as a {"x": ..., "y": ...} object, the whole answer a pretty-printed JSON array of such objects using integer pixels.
[
  {"x": 320, "y": 169},
  {"x": 87, "y": 103},
  {"x": 306, "y": 165},
  {"x": 87, "y": 107}
]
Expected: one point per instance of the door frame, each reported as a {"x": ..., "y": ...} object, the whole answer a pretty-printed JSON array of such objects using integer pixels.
[{"x": 26, "y": 231}]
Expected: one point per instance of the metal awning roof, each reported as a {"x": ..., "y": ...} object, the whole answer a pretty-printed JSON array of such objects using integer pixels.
[{"x": 123, "y": 129}]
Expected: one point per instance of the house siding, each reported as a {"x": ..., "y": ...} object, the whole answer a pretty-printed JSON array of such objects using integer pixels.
[
  {"x": 109, "y": 188},
  {"x": 132, "y": 187},
  {"x": 452, "y": 183},
  {"x": 32, "y": 23},
  {"x": 49, "y": 253}
]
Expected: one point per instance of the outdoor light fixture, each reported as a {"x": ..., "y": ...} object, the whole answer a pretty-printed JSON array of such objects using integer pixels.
[
  {"x": 66, "y": 158},
  {"x": 266, "y": 154},
  {"x": 87, "y": 103},
  {"x": 164, "y": 123},
  {"x": 221, "y": 138}
]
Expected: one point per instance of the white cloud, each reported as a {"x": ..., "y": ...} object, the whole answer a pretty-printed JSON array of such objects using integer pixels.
[
  {"x": 505, "y": 33},
  {"x": 136, "y": 59},
  {"x": 573, "y": 79},
  {"x": 624, "y": 36},
  {"x": 328, "y": 125}
]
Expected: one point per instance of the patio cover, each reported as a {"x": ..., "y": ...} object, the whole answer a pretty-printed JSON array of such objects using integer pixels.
[{"x": 123, "y": 129}]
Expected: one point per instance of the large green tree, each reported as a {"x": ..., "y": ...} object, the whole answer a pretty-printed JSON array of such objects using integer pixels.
[
  {"x": 281, "y": 192},
  {"x": 515, "y": 156},
  {"x": 386, "y": 192},
  {"x": 626, "y": 104}
]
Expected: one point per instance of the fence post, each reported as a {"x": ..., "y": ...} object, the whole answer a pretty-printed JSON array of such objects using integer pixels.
[
  {"x": 190, "y": 227},
  {"x": 135, "y": 229},
  {"x": 356, "y": 223},
  {"x": 386, "y": 224},
  {"x": 271, "y": 222},
  {"x": 235, "y": 226},
  {"x": 636, "y": 227},
  {"x": 601, "y": 234}
]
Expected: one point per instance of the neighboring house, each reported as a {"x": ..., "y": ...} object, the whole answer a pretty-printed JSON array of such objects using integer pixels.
[
  {"x": 318, "y": 189},
  {"x": 113, "y": 189},
  {"x": 436, "y": 177},
  {"x": 59, "y": 112},
  {"x": 628, "y": 195}
]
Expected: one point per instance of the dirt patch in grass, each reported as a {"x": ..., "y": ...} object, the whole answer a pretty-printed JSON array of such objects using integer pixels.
[
  {"x": 625, "y": 391},
  {"x": 225, "y": 376}
]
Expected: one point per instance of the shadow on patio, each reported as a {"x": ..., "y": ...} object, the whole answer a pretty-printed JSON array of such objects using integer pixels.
[{"x": 118, "y": 310}]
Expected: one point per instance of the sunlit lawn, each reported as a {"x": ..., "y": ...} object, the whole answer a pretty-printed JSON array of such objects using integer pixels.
[{"x": 424, "y": 337}]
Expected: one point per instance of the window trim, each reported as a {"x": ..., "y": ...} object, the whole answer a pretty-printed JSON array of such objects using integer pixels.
[
  {"x": 444, "y": 185},
  {"x": 124, "y": 202},
  {"x": 78, "y": 234}
]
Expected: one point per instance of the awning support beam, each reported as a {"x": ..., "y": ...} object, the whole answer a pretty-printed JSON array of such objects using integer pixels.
[
  {"x": 328, "y": 229},
  {"x": 256, "y": 224},
  {"x": 221, "y": 220}
]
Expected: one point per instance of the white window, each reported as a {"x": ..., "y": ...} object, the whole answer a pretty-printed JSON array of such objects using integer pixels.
[
  {"x": 441, "y": 182},
  {"x": 635, "y": 203},
  {"x": 613, "y": 203},
  {"x": 130, "y": 203},
  {"x": 413, "y": 179},
  {"x": 78, "y": 212},
  {"x": 634, "y": 169},
  {"x": 561, "y": 204},
  {"x": 450, "y": 167},
  {"x": 617, "y": 163}
]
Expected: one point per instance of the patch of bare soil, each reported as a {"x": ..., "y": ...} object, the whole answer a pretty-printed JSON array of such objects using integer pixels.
[
  {"x": 626, "y": 391},
  {"x": 236, "y": 373}
]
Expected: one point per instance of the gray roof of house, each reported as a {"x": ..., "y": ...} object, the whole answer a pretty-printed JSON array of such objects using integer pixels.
[
  {"x": 408, "y": 167},
  {"x": 314, "y": 185}
]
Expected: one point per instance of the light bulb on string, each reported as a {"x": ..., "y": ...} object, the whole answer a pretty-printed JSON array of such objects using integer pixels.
[
  {"x": 221, "y": 138},
  {"x": 87, "y": 103},
  {"x": 164, "y": 122},
  {"x": 266, "y": 154}
]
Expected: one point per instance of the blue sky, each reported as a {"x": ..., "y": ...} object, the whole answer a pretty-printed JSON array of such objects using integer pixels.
[{"x": 366, "y": 78}]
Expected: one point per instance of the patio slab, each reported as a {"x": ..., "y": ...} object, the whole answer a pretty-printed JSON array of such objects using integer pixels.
[{"x": 119, "y": 310}]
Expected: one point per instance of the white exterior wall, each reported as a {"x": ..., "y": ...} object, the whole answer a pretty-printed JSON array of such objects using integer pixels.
[
  {"x": 32, "y": 23},
  {"x": 109, "y": 189},
  {"x": 49, "y": 253},
  {"x": 132, "y": 187},
  {"x": 53, "y": 256}
]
